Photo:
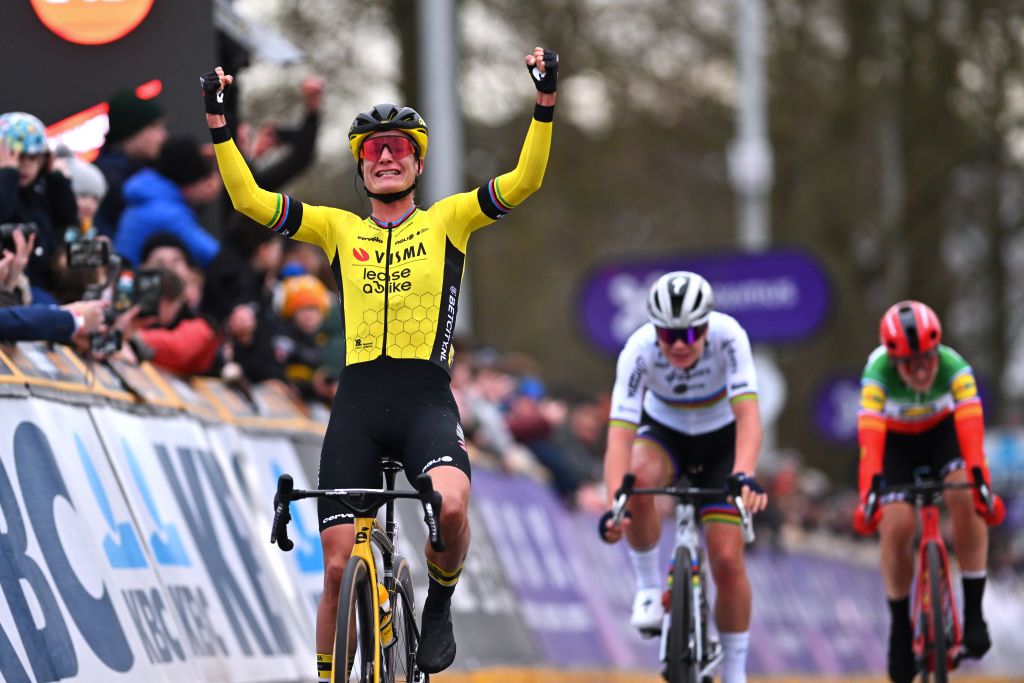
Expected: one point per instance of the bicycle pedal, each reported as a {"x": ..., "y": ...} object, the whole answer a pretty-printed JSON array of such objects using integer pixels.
[{"x": 648, "y": 633}]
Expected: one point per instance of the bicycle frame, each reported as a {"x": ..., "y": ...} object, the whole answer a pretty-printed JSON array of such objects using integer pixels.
[
  {"x": 702, "y": 651},
  {"x": 366, "y": 503},
  {"x": 688, "y": 537},
  {"x": 922, "y": 607},
  {"x": 929, "y": 645}
]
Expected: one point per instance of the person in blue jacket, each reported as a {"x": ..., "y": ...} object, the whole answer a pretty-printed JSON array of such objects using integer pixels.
[
  {"x": 162, "y": 200},
  {"x": 50, "y": 323}
]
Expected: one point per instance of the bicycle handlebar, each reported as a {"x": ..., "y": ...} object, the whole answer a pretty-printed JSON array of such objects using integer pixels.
[
  {"x": 431, "y": 502},
  {"x": 425, "y": 493},
  {"x": 688, "y": 494},
  {"x": 925, "y": 487}
]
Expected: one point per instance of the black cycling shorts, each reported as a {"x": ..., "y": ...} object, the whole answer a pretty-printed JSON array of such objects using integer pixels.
[
  {"x": 399, "y": 408},
  {"x": 937, "y": 449},
  {"x": 706, "y": 460}
]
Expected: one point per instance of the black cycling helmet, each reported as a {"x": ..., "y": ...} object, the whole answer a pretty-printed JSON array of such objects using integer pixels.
[{"x": 388, "y": 116}]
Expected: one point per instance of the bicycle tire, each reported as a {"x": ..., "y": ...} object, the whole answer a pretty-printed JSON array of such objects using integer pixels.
[
  {"x": 936, "y": 577},
  {"x": 354, "y": 636},
  {"x": 681, "y": 665},
  {"x": 400, "y": 655}
]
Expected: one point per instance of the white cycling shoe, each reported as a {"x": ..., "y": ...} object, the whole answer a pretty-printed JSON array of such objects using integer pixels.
[{"x": 648, "y": 612}]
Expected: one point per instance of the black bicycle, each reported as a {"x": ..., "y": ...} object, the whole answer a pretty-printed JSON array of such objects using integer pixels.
[
  {"x": 376, "y": 637},
  {"x": 688, "y": 652}
]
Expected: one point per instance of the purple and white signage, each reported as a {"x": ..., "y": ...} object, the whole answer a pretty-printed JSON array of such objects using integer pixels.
[{"x": 779, "y": 295}]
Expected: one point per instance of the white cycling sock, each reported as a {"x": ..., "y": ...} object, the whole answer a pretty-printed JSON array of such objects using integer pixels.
[
  {"x": 648, "y": 569},
  {"x": 734, "y": 667}
]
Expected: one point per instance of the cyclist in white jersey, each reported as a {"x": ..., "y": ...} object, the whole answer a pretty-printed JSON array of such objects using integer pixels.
[{"x": 685, "y": 402}]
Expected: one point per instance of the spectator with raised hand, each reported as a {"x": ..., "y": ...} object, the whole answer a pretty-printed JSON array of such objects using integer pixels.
[
  {"x": 50, "y": 323},
  {"x": 14, "y": 286},
  {"x": 299, "y": 143},
  {"x": 35, "y": 194},
  {"x": 137, "y": 132},
  {"x": 163, "y": 200}
]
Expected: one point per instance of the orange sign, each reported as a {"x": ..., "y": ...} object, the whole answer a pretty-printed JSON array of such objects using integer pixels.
[{"x": 92, "y": 22}]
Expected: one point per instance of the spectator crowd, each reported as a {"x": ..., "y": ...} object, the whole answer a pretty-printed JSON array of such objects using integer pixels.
[
  {"x": 139, "y": 257},
  {"x": 227, "y": 297}
]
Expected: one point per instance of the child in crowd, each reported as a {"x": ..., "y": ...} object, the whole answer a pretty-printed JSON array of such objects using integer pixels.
[{"x": 303, "y": 302}]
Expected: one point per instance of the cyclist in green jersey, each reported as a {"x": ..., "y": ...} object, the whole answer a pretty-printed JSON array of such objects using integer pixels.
[
  {"x": 398, "y": 273},
  {"x": 920, "y": 407}
]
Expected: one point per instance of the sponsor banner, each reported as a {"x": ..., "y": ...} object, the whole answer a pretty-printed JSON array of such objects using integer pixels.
[
  {"x": 536, "y": 547},
  {"x": 81, "y": 599},
  {"x": 485, "y": 609},
  {"x": 611, "y": 585},
  {"x": 778, "y": 296},
  {"x": 267, "y": 457},
  {"x": 236, "y": 622}
]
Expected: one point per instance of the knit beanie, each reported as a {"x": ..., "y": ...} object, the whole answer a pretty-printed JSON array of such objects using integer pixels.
[
  {"x": 301, "y": 291},
  {"x": 86, "y": 179},
  {"x": 129, "y": 114},
  {"x": 182, "y": 161}
]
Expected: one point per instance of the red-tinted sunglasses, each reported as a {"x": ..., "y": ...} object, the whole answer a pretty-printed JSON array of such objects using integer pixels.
[
  {"x": 399, "y": 146},
  {"x": 912, "y": 363},
  {"x": 690, "y": 335}
]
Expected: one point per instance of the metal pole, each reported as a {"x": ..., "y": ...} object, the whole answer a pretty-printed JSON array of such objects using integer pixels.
[
  {"x": 750, "y": 154},
  {"x": 750, "y": 170},
  {"x": 439, "y": 104}
]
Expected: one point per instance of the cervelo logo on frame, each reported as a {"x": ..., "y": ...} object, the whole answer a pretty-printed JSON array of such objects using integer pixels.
[{"x": 92, "y": 22}]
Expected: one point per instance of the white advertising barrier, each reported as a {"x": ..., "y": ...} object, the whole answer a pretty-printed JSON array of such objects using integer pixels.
[
  {"x": 236, "y": 622},
  {"x": 81, "y": 598},
  {"x": 267, "y": 457}
]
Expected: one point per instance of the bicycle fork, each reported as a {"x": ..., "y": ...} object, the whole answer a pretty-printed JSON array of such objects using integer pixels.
[
  {"x": 363, "y": 550},
  {"x": 703, "y": 651}
]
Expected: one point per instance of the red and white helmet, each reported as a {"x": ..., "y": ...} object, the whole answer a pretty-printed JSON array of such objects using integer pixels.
[{"x": 909, "y": 328}]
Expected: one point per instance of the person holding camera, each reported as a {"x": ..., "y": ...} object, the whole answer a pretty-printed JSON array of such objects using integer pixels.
[
  {"x": 35, "y": 197},
  {"x": 169, "y": 335}
]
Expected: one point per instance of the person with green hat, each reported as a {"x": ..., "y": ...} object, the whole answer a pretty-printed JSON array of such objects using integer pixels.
[{"x": 137, "y": 132}]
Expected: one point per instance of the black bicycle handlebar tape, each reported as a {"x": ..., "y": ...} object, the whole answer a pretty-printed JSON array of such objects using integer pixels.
[
  {"x": 983, "y": 488},
  {"x": 431, "y": 501},
  {"x": 872, "y": 502},
  {"x": 628, "y": 484},
  {"x": 282, "y": 513}
]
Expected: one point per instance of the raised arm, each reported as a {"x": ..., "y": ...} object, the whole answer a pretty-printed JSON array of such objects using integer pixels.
[
  {"x": 513, "y": 187},
  {"x": 279, "y": 212}
]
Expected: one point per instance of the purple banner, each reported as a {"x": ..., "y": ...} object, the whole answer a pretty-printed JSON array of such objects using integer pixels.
[
  {"x": 780, "y": 295},
  {"x": 534, "y": 539}
]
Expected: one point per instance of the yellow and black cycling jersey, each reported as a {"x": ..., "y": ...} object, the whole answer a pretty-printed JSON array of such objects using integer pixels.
[{"x": 399, "y": 282}]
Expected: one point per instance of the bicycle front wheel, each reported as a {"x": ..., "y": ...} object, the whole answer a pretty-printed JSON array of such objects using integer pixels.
[
  {"x": 355, "y": 639},
  {"x": 937, "y": 628},
  {"x": 400, "y": 654},
  {"x": 681, "y": 665}
]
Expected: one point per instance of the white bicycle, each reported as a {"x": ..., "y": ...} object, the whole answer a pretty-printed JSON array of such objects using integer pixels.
[{"x": 688, "y": 651}]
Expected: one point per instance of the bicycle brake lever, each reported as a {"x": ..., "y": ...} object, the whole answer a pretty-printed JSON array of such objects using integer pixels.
[
  {"x": 282, "y": 514},
  {"x": 746, "y": 524},
  {"x": 431, "y": 501}
]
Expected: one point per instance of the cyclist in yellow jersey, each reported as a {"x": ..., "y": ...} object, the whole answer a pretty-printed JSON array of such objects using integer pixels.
[{"x": 398, "y": 273}]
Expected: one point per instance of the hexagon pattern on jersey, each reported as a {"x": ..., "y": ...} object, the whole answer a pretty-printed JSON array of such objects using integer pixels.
[{"x": 411, "y": 326}]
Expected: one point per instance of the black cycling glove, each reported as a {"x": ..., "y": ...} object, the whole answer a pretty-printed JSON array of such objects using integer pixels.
[
  {"x": 213, "y": 96},
  {"x": 740, "y": 479},
  {"x": 546, "y": 82}
]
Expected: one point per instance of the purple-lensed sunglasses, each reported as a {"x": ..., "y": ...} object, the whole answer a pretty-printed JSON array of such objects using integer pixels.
[{"x": 689, "y": 335}]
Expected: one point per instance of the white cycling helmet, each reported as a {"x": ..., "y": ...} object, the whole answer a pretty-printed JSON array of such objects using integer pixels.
[{"x": 680, "y": 299}]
